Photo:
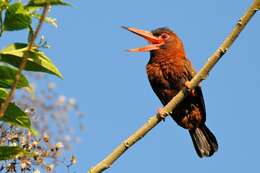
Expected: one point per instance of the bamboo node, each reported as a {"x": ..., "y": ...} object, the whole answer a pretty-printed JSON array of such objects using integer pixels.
[
  {"x": 240, "y": 22},
  {"x": 126, "y": 144},
  {"x": 107, "y": 166},
  {"x": 223, "y": 51},
  {"x": 204, "y": 77},
  {"x": 150, "y": 120}
]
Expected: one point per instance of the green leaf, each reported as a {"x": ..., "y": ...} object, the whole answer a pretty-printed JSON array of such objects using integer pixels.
[
  {"x": 42, "y": 3},
  {"x": 3, "y": 4},
  {"x": 7, "y": 76},
  {"x": 17, "y": 17},
  {"x": 3, "y": 94},
  {"x": 10, "y": 152},
  {"x": 37, "y": 60},
  {"x": 15, "y": 116}
]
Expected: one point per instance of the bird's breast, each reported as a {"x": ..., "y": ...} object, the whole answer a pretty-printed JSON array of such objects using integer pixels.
[
  {"x": 167, "y": 72},
  {"x": 164, "y": 88},
  {"x": 167, "y": 76},
  {"x": 156, "y": 76}
]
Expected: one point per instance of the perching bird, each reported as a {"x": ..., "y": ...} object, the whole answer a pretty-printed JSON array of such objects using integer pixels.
[{"x": 168, "y": 71}]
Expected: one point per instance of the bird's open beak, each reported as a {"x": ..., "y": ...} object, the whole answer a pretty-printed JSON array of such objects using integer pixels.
[{"x": 155, "y": 41}]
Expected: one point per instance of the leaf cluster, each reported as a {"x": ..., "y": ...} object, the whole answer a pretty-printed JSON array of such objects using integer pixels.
[{"x": 14, "y": 16}]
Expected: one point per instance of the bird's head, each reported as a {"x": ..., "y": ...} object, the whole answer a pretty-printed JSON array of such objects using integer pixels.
[{"x": 161, "y": 40}]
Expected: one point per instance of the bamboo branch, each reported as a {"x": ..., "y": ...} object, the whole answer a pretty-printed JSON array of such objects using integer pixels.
[
  {"x": 200, "y": 76},
  {"x": 11, "y": 93}
]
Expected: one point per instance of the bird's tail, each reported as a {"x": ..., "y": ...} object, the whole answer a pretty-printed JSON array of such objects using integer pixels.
[{"x": 204, "y": 141}]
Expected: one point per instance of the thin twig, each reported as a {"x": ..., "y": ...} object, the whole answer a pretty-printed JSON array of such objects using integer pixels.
[
  {"x": 1, "y": 23},
  {"x": 9, "y": 97},
  {"x": 200, "y": 76}
]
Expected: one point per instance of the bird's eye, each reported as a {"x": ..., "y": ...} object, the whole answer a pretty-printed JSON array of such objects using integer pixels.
[{"x": 165, "y": 36}]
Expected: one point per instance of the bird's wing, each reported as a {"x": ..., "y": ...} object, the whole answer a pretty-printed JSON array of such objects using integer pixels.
[
  {"x": 177, "y": 74},
  {"x": 191, "y": 72},
  {"x": 200, "y": 100},
  {"x": 166, "y": 81}
]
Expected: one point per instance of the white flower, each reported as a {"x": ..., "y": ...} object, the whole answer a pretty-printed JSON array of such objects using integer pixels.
[
  {"x": 23, "y": 165},
  {"x": 36, "y": 171},
  {"x": 72, "y": 102},
  {"x": 45, "y": 138},
  {"x": 51, "y": 85},
  {"x": 35, "y": 143},
  {"x": 59, "y": 145},
  {"x": 49, "y": 168},
  {"x": 61, "y": 100},
  {"x": 73, "y": 160}
]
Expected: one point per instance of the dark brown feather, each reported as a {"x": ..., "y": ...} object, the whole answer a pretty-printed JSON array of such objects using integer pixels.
[
  {"x": 168, "y": 69},
  {"x": 167, "y": 76}
]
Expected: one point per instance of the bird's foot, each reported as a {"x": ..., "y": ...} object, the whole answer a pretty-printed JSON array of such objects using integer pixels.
[
  {"x": 161, "y": 114},
  {"x": 187, "y": 86}
]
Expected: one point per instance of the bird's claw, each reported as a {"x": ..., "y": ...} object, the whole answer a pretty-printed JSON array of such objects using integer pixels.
[{"x": 187, "y": 86}]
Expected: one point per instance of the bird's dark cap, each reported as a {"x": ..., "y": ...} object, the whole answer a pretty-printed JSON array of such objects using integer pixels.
[{"x": 161, "y": 30}]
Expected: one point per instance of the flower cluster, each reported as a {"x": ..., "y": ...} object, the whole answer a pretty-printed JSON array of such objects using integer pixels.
[{"x": 50, "y": 114}]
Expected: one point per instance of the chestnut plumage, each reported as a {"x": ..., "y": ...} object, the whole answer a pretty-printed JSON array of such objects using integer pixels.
[{"x": 168, "y": 69}]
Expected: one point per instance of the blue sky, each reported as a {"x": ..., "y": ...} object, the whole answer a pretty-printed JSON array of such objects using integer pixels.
[{"x": 112, "y": 89}]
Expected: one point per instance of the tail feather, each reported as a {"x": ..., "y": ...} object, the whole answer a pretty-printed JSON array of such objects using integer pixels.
[{"x": 204, "y": 141}]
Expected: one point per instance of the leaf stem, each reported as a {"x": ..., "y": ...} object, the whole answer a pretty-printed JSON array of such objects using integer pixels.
[
  {"x": 200, "y": 76},
  {"x": 9, "y": 97}
]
